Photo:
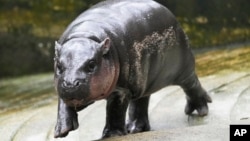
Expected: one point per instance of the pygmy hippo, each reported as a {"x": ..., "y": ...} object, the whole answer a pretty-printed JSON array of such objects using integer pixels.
[{"x": 123, "y": 51}]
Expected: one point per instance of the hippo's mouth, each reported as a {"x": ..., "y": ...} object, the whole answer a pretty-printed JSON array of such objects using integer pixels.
[{"x": 77, "y": 103}]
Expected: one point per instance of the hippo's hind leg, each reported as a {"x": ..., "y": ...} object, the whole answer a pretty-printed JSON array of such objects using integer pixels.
[
  {"x": 117, "y": 104},
  {"x": 197, "y": 97},
  {"x": 138, "y": 115}
]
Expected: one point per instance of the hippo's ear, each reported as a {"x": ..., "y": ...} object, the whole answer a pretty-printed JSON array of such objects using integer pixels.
[
  {"x": 105, "y": 46},
  {"x": 57, "y": 48}
]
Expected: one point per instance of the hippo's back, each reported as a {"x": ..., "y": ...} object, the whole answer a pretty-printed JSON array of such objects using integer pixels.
[{"x": 131, "y": 19}]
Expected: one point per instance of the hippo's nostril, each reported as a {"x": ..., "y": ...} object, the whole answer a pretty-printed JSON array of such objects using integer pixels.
[
  {"x": 64, "y": 84},
  {"x": 67, "y": 85},
  {"x": 76, "y": 83}
]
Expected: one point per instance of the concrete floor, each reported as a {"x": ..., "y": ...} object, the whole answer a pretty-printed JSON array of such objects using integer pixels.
[{"x": 231, "y": 104}]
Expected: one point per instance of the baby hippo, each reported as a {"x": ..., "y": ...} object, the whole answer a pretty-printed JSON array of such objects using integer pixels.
[{"x": 123, "y": 51}]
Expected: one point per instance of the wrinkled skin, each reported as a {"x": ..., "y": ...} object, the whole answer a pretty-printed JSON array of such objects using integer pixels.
[{"x": 123, "y": 51}]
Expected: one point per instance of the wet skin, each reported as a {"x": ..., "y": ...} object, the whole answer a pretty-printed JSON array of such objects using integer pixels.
[{"x": 123, "y": 51}]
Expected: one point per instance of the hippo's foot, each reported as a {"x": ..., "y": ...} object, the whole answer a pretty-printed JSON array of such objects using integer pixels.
[
  {"x": 197, "y": 97},
  {"x": 199, "y": 104},
  {"x": 137, "y": 126},
  {"x": 113, "y": 133}
]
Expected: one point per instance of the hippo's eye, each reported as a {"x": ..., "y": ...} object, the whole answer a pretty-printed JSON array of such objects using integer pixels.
[
  {"x": 59, "y": 68},
  {"x": 91, "y": 66}
]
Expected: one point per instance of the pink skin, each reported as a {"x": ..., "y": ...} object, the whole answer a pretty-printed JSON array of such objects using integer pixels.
[{"x": 102, "y": 84}]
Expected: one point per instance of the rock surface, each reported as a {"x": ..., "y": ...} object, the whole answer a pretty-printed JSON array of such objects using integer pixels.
[{"x": 231, "y": 104}]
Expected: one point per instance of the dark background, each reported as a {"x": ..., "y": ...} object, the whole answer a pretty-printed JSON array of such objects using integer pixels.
[{"x": 29, "y": 28}]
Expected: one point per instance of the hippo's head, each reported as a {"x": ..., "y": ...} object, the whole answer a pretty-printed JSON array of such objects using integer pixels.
[{"x": 84, "y": 71}]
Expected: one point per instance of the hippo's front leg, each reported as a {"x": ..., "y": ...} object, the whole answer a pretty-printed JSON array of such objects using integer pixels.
[
  {"x": 66, "y": 120},
  {"x": 117, "y": 104}
]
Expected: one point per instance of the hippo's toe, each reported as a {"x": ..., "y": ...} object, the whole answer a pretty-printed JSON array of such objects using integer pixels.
[
  {"x": 199, "y": 104},
  {"x": 112, "y": 133},
  {"x": 137, "y": 126}
]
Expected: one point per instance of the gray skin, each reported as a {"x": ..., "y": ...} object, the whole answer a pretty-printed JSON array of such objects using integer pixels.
[{"x": 123, "y": 51}]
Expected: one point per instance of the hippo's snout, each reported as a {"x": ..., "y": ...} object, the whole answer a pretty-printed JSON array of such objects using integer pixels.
[{"x": 71, "y": 86}]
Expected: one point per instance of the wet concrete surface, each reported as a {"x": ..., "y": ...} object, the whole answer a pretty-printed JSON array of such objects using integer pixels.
[{"x": 231, "y": 104}]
